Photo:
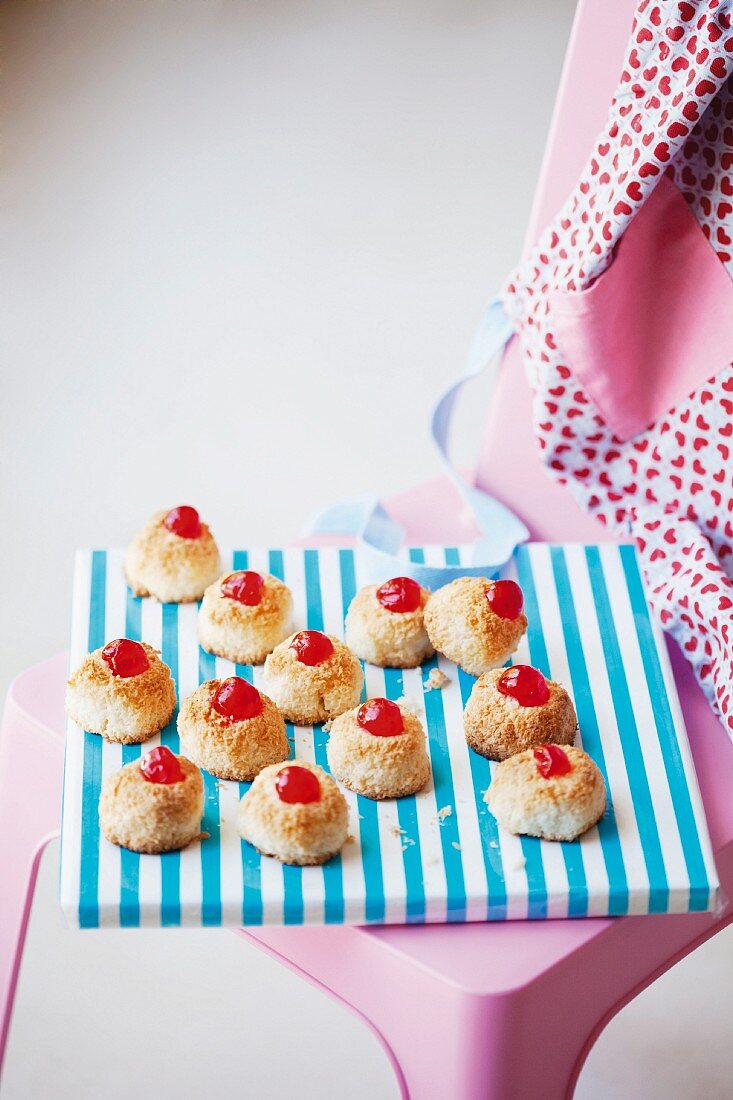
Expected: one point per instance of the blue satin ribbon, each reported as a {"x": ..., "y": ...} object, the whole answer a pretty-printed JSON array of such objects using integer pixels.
[{"x": 379, "y": 539}]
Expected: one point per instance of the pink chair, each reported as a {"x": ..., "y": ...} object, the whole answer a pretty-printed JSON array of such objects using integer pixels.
[{"x": 458, "y": 1008}]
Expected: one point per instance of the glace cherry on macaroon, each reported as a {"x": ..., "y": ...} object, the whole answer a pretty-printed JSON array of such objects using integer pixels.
[
  {"x": 236, "y": 699},
  {"x": 552, "y": 760},
  {"x": 505, "y": 598},
  {"x": 125, "y": 658},
  {"x": 294, "y": 784},
  {"x": 525, "y": 684},
  {"x": 312, "y": 647},
  {"x": 244, "y": 586},
  {"x": 161, "y": 766},
  {"x": 183, "y": 521},
  {"x": 381, "y": 718},
  {"x": 399, "y": 595}
]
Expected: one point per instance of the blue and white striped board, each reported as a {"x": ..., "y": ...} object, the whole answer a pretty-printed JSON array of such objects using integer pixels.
[{"x": 440, "y": 855}]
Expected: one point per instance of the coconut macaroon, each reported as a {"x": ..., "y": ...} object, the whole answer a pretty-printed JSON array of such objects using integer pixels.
[
  {"x": 475, "y": 622},
  {"x": 123, "y": 692},
  {"x": 154, "y": 804},
  {"x": 385, "y": 624},
  {"x": 244, "y": 615},
  {"x": 312, "y": 677},
  {"x": 296, "y": 813},
  {"x": 516, "y": 708},
  {"x": 378, "y": 750},
  {"x": 174, "y": 558},
  {"x": 550, "y": 792},
  {"x": 231, "y": 729}
]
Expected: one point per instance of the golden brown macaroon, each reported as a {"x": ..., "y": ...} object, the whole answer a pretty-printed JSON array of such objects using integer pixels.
[
  {"x": 174, "y": 558},
  {"x": 378, "y": 629},
  {"x": 462, "y": 622},
  {"x": 231, "y": 729},
  {"x": 128, "y": 707},
  {"x": 153, "y": 816},
  {"x": 498, "y": 725},
  {"x": 306, "y": 823},
  {"x": 310, "y": 693},
  {"x": 378, "y": 750},
  {"x": 245, "y": 632},
  {"x": 553, "y": 806}
]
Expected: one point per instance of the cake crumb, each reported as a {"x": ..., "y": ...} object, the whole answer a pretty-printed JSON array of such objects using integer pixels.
[
  {"x": 457, "y": 846},
  {"x": 327, "y": 725},
  {"x": 409, "y": 703},
  {"x": 444, "y": 812},
  {"x": 350, "y": 839},
  {"x": 437, "y": 680},
  {"x": 204, "y": 836},
  {"x": 396, "y": 830},
  {"x": 519, "y": 864}
]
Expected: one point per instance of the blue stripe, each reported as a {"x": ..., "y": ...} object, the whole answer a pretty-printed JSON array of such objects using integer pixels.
[
  {"x": 444, "y": 790},
  {"x": 170, "y": 862},
  {"x": 251, "y": 860},
  {"x": 613, "y": 857},
  {"x": 371, "y": 850},
  {"x": 292, "y": 876},
  {"x": 629, "y": 734},
  {"x": 92, "y": 781},
  {"x": 333, "y": 877},
  {"x": 407, "y": 818},
  {"x": 130, "y": 861},
  {"x": 211, "y": 846},
  {"x": 481, "y": 778},
  {"x": 674, "y": 767},
  {"x": 571, "y": 852}
]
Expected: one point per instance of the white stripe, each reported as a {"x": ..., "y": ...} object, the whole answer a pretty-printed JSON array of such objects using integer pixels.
[
  {"x": 354, "y": 883},
  {"x": 592, "y": 643},
  {"x": 686, "y": 756},
  {"x": 271, "y": 871},
  {"x": 314, "y": 891},
  {"x": 552, "y": 631},
  {"x": 390, "y": 838},
  {"x": 70, "y": 873},
  {"x": 633, "y": 663}
]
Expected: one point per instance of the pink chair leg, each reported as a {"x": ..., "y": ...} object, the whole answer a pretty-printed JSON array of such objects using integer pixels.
[{"x": 31, "y": 769}]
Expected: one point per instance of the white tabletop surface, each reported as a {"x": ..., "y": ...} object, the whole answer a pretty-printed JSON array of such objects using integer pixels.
[{"x": 235, "y": 237}]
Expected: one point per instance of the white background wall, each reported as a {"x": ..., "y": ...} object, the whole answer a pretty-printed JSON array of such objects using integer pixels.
[{"x": 244, "y": 244}]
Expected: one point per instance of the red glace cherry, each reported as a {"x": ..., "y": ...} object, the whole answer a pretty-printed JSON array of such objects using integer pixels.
[
  {"x": 161, "y": 766},
  {"x": 381, "y": 717},
  {"x": 184, "y": 522},
  {"x": 237, "y": 700},
  {"x": 244, "y": 586},
  {"x": 505, "y": 599},
  {"x": 312, "y": 647},
  {"x": 525, "y": 684},
  {"x": 552, "y": 760},
  {"x": 125, "y": 658},
  {"x": 294, "y": 784},
  {"x": 401, "y": 594}
]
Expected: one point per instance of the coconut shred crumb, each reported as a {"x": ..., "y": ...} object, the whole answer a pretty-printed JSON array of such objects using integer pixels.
[
  {"x": 437, "y": 680},
  {"x": 456, "y": 845},
  {"x": 409, "y": 703},
  {"x": 444, "y": 812},
  {"x": 407, "y": 843},
  {"x": 327, "y": 725}
]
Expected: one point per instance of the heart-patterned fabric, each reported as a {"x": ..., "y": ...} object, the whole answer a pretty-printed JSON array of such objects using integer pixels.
[{"x": 670, "y": 485}]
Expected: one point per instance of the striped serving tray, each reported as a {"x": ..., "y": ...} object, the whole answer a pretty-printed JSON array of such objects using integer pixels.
[{"x": 439, "y": 856}]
